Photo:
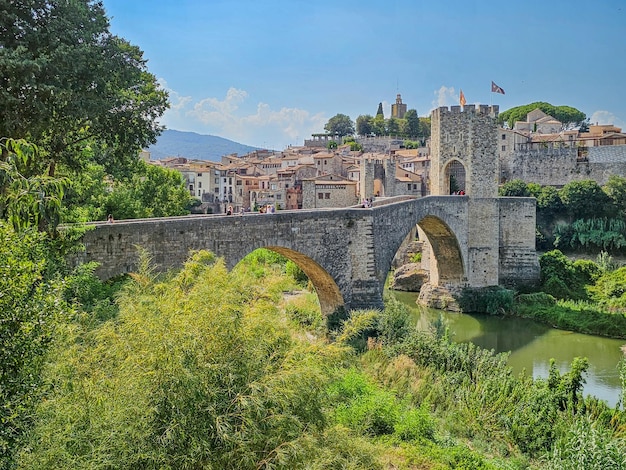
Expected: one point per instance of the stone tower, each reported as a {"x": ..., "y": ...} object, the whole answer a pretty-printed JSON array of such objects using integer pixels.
[
  {"x": 464, "y": 157},
  {"x": 464, "y": 151},
  {"x": 398, "y": 110}
]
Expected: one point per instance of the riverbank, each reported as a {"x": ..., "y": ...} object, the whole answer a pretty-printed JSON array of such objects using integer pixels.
[{"x": 581, "y": 317}]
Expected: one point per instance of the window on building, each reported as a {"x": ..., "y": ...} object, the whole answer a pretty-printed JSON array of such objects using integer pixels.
[
  {"x": 503, "y": 136},
  {"x": 278, "y": 196},
  {"x": 224, "y": 180},
  {"x": 217, "y": 181},
  {"x": 327, "y": 196},
  {"x": 409, "y": 188},
  {"x": 320, "y": 195},
  {"x": 217, "y": 190},
  {"x": 230, "y": 181},
  {"x": 199, "y": 193},
  {"x": 191, "y": 187},
  {"x": 503, "y": 148},
  {"x": 414, "y": 186},
  {"x": 199, "y": 174},
  {"x": 238, "y": 182},
  {"x": 199, "y": 184}
]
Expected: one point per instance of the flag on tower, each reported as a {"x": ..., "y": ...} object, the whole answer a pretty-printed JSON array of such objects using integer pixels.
[
  {"x": 462, "y": 98},
  {"x": 496, "y": 89}
]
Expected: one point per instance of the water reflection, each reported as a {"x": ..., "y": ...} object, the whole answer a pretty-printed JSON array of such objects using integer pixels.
[{"x": 532, "y": 345}]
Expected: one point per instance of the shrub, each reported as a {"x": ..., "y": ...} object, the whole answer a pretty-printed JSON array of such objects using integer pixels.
[
  {"x": 492, "y": 300},
  {"x": 414, "y": 424}
]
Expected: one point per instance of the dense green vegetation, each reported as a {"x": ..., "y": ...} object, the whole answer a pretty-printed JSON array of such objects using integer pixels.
[
  {"x": 565, "y": 114},
  {"x": 209, "y": 368},
  {"x": 580, "y": 217},
  {"x": 78, "y": 104}
]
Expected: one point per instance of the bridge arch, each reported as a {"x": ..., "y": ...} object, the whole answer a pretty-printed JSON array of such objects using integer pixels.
[
  {"x": 326, "y": 288},
  {"x": 446, "y": 264}
]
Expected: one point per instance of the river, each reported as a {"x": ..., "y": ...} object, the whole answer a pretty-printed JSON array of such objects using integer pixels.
[{"x": 532, "y": 345}]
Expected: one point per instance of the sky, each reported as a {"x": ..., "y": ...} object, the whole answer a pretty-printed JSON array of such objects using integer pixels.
[{"x": 269, "y": 73}]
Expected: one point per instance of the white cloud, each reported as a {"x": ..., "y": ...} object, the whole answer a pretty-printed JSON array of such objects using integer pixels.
[
  {"x": 606, "y": 117},
  {"x": 445, "y": 96},
  {"x": 222, "y": 117}
]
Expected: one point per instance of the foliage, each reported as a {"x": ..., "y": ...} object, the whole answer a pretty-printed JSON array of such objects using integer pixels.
[
  {"x": 196, "y": 371},
  {"x": 585, "y": 200},
  {"x": 31, "y": 307},
  {"x": 412, "y": 128},
  {"x": 586, "y": 445},
  {"x": 332, "y": 145},
  {"x": 615, "y": 189},
  {"x": 66, "y": 81},
  {"x": 590, "y": 234},
  {"x": 609, "y": 291},
  {"x": 27, "y": 198},
  {"x": 364, "y": 125},
  {"x": 151, "y": 191},
  {"x": 563, "y": 278},
  {"x": 305, "y": 311},
  {"x": 565, "y": 114},
  {"x": 549, "y": 201},
  {"x": 584, "y": 317},
  {"x": 340, "y": 125},
  {"x": 515, "y": 188},
  {"x": 492, "y": 300},
  {"x": 362, "y": 406}
]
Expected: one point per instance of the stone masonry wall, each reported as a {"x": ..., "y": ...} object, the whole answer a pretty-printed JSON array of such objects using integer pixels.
[{"x": 559, "y": 166}]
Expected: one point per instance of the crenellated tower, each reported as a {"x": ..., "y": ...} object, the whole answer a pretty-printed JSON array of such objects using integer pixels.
[{"x": 464, "y": 151}]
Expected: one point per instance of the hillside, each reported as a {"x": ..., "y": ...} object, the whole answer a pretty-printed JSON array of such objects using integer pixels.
[{"x": 174, "y": 143}]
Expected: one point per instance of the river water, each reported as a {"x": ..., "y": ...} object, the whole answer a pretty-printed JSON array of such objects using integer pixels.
[{"x": 532, "y": 345}]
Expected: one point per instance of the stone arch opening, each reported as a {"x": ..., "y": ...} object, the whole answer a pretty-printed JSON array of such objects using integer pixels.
[
  {"x": 455, "y": 177},
  {"x": 328, "y": 292},
  {"x": 446, "y": 260}
]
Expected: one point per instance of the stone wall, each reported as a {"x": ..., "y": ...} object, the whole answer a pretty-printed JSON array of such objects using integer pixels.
[{"x": 559, "y": 166}]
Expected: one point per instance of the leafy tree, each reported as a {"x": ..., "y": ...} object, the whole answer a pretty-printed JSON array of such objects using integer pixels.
[
  {"x": 364, "y": 125},
  {"x": 340, "y": 125},
  {"x": 615, "y": 189},
  {"x": 65, "y": 81},
  {"x": 151, "y": 191},
  {"x": 515, "y": 188},
  {"x": 412, "y": 124},
  {"x": 30, "y": 310},
  {"x": 379, "y": 125},
  {"x": 424, "y": 127},
  {"x": 549, "y": 202},
  {"x": 563, "y": 278},
  {"x": 585, "y": 200},
  {"x": 565, "y": 114},
  {"x": 27, "y": 198},
  {"x": 393, "y": 126}
]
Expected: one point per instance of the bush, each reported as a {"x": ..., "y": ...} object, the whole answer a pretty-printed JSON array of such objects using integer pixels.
[
  {"x": 492, "y": 300},
  {"x": 364, "y": 407},
  {"x": 414, "y": 424}
]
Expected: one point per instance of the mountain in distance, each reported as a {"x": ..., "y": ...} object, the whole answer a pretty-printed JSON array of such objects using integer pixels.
[{"x": 172, "y": 143}]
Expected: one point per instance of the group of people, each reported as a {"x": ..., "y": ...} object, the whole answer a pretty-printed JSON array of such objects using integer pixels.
[
  {"x": 367, "y": 203},
  {"x": 268, "y": 209},
  {"x": 459, "y": 193}
]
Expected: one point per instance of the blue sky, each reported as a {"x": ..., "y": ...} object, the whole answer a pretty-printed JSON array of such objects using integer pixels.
[{"x": 270, "y": 73}]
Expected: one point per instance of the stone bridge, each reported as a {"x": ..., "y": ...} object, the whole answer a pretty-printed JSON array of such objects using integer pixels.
[{"x": 346, "y": 253}]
